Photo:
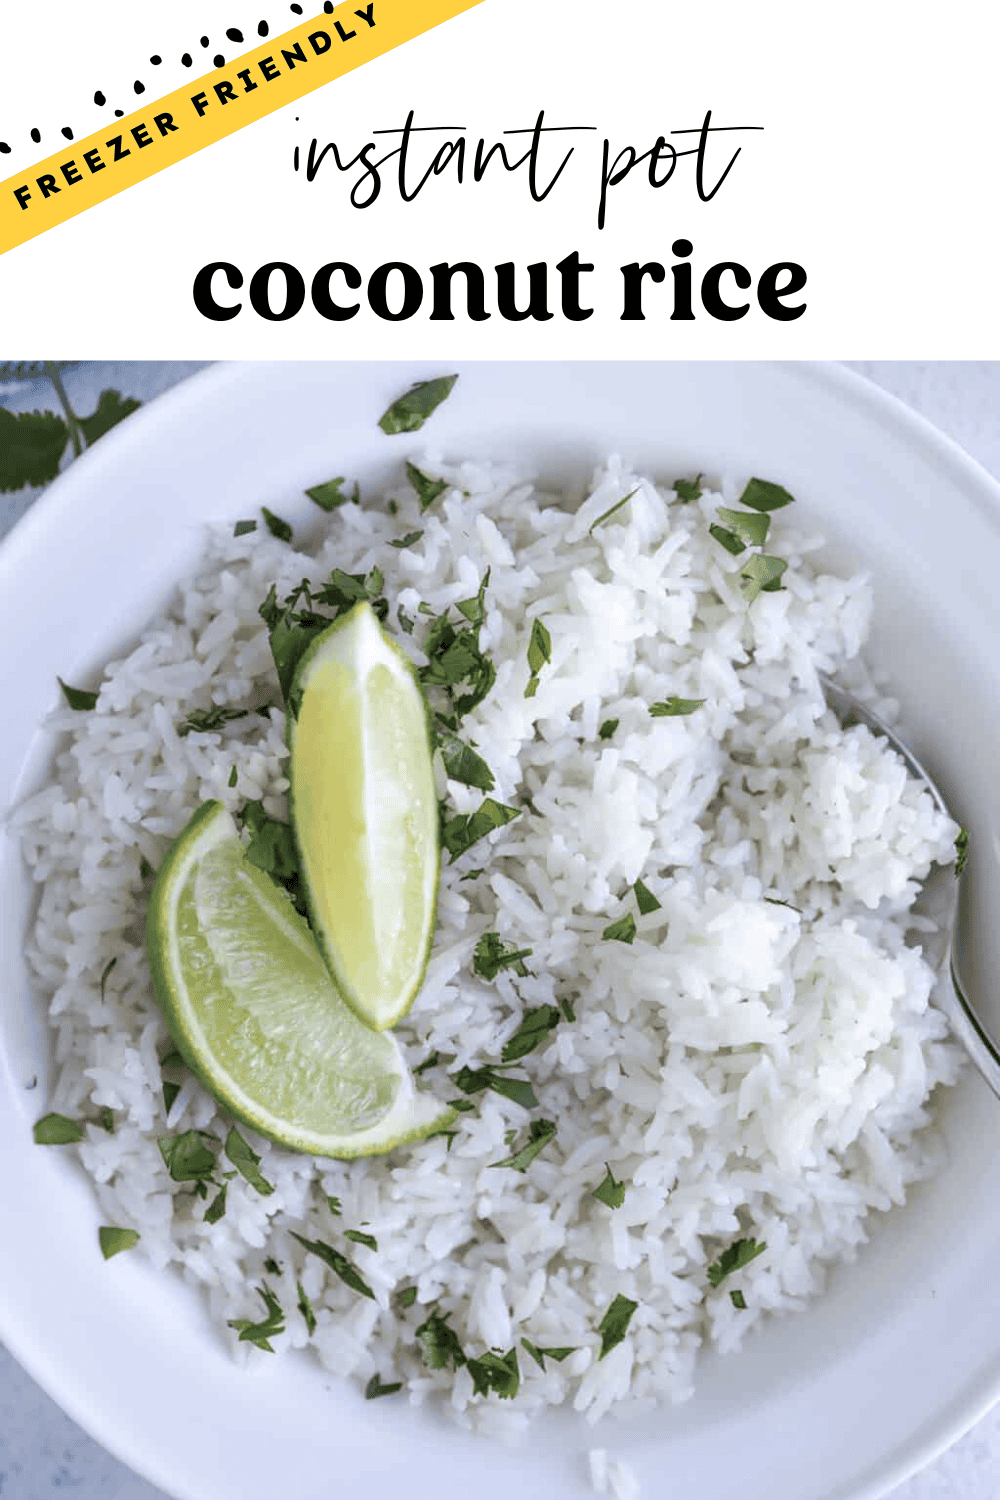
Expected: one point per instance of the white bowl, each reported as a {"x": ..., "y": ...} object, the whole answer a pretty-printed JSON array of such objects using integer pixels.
[{"x": 842, "y": 1400}]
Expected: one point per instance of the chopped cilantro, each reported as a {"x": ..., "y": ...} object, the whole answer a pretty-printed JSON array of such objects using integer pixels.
[
  {"x": 411, "y": 410},
  {"x": 961, "y": 850},
  {"x": 77, "y": 698},
  {"x": 57, "y": 1130},
  {"x": 471, "y": 875},
  {"x": 610, "y": 1192},
  {"x": 407, "y": 540},
  {"x": 474, "y": 609},
  {"x": 170, "y": 1092},
  {"x": 113, "y": 1241},
  {"x": 111, "y": 408},
  {"x": 687, "y": 490},
  {"x": 439, "y": 1345},
  {"x": 375, "y": 1388},
  {"x": 674, "y": 707},
  {"x": 329, "y": 494},
  {"x": 247, "y": 1162},
  {"x": 761, "y": 575},
  {"x": 752, "y": 526},
  {"x": 204, "y": 720},
  {"x": 567, "y": 1009},
  {"x": 644, "y": 899},
  {"x": 272, "y": 1266},
  {"x": 272, "y": 849},
  {"x": 406, "y": 1297},
  {"x": 495, "y": 1372},
  {"x": 428, "y": 1062},
  {"x": 145, "y": 868},
  {"x": 727, "y": 539},
  {"x": 737, "y": 1298},
  {"x": 612, "y": 508},
  {"x": 622, "y": 931},
  {"x": 305, "y": 1308},
  {"x": 406, "y": 622},
  {"x": 31, "y": 447},
  {"x": 338, "y": 1263},
  {"x": 234, "y": 776},
  {"x": 608, "y": 728},
  {"x": 454, "y": 659},
  {"x": 540, "y": 1132},
  {"x": 261, "y": 1333},
  {"x": 475, "y": 1080},
  {"x": 333, "y": 1204},
  {"x": 217, "y": 1207},
  {"x": 492, "y": 955},
  {"x": 761, "y": 494},
  {"x": 107, "y": 970},
  {"x": 540, "y": 1355},
  {"x": 534, "y": 1028},
  {"x": 360, "y": 1238},
  {"x": 276, "y": 526},
  {"x": 614, "y": 1325},
  {"x": 464, "y": 765},
  {"x": 186, "y": 1156},
  {"x": 424, "y": 609},
  {"x": 739, "y": 1254},
  {"x": 427, "y": 489},
  {"x": 106, "y": 1119},
  {"x": 172, "y": 1059},
  {"x": 461, "y": 831},
  {"x": 244, "y": 528},
  {"x": 539, "y": 655}
]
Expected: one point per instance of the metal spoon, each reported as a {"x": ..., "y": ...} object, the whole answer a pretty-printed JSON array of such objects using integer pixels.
[{"x": 939, "y": 897}]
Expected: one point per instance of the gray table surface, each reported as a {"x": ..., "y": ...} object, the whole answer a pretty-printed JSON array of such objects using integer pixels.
[{"x": 43, "y": 1454}]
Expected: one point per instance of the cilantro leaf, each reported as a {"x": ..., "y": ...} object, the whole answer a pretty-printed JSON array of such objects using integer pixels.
[
  {"x": 475, "y": 1080},
  {"x": 739, "y": 1254},
  {"x": 687, "y": 490},
  {"x": 495, "y": 1372},
  {"x": 761, "y": 494},
  {"x": 406, "y": 1297},
  {"x": 107, "y": 970},
  {"x": 464, "y": 765},
  {"x": 567, "y": 1009},
  {"x": 217, "y": 1207},
  {"x": 203, "y": 720},
  {"x": 460, "y": 832},
  {"x": 272, "y": 849},
  {"x": 474, "y": 610},
  {"x": 333, "y": 1204},
  {"x": 170, "y": 1092},
  {"x": 406, "y": 622},
  {"x": 453, "y": 658},
  {"x": 234, "y": 777},
  {"x": 186, "y": 1156},
  {"x": 31, "y": 446},
  {"x": 276, "y": 526},
  {"x": 622, "y": 931},
  {"x": 492, "y": 955},
  {"x": 305, "y": 1308},
  {"x": 439, "y": 1345},
  {"x": 172, "y": 1059},
  {"x": 290, "y": 634},
  {"x": 539, "y": 655},
  {"x": 727, "y": 539},
  {"x": 360, "y": 1238},
  {"x": 261, "y": 1333},
  {"x": 375, "y": 1388},
  {"x": 738, "y": 1300},
  {"x": 338, "y": 1263},
  {"x": 244, "y": 528},
  {"x": 644, "y": 899},
  {"x": 57, "y": 1130},
  {"x": 106, "y": 1119},
  {"x": 247, "y": 1162},
  {"x": 411, "y": 411},
  {"x": 674, "y": 707},
  {"x": 427, "y": 489},
  {"x": 608, "y": 728},
  {"x": 752, "y": 526},
  {"x": 614, "y": 1325},
  {"x": 407, "y": 540},
  {"x": 329, "y": 494},
  {"x": 610, "y": 1192},
  {"x": 540, "y": 1355},
  {"x": 534, "y": 1028},
  {"x": 961, "y": 850},
  {"x": 77, "y": 698},
  {"x": 110, "y": 409},
  {"x": 540, "y": 1132},
  {"x": 113, "y": 1241},
  {"x": 611, "y": 510},
  {"x": 761, "y": 575}
]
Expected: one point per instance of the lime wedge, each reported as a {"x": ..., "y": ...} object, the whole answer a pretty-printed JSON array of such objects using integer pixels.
[
  {"x": 364, "y": 809},
  {"x": 250, "y": 1005}
]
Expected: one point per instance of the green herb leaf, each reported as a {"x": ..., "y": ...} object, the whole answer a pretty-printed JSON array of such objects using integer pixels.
[
  {"x": 471, "y": 875},
  {"x": 687, "y": 490},
  {"x": 406, "y": 1297},
  {"x": 752, "y": 526},
  {"x": 739, "y": 1254},
  {"x": 460, "y": 832},
  {"x": 611, "y": 510},
  {"x": 474, "y": 610},
  {"x": 622, "y": 931},
  {"x": 761, "y": 494},
  {"x": 272, "y": 849},
  {"x": 271, "y": 1265},
  {"x": 234, "y": 777},
  {"x": 77, "y": 698},
  {"x": 539, "y": 646},
  {"x": 454, "y": 657},
  {"x": 170, "y": 1092},
  {"x": 111, "y": 408},
  {"x": 737, "y": 1298},
  {"x": 761, "y": 575},
  {"x": 338, "y": 1263},
  {"x": 244, "y": 528},
  {"x": 247, "y": 1162},
  {"x": 536, "y": 1024},
  {"x": 492, "y": 955},
  {"x": 375, "y": 1388},
  {"x": 427, "y": 489},
  {"x": 614, "y": 1325},
  {"x": 961, "y": 850},
  {"x": 333, "y": 1204},
  {"x": 106, "y": 1119},
  {"x": 674, "y": 708},
  {"x": 541, "y": 1355},
  {"x": 204, "y": 720},
  {"x": 428, "y": 1062},
  {"x": 495, "y": 1372},
  {"x": 608, "y": 728},
  {"x": 262, "y": 1333},
  {"x": 107, "y": 970},
  {"x": 31, "y": 447},
  {"x": 411, "y": 411},
  {"x": 173, "y": 1059},
  {"x": 464, "y": 765},
  {"x": 610, "y": 1192},
  {"x": 727, "y": 539},
  {"x": 113, "y": 1241},
  {"x": 475, "y": 1080},
  {"x": 540, "y": 1132},
  {"x": 406, "y": 622},
  {"x": 644, "y": 899},
  {"x": 305, "y": 1308},
  {"x": 276, "y": 526},
  {"x": 567, "y": 1009},
  {"x": 360, "y": 1238},
  {"x": 291, "y": 632},
  {"x": 328, "y": 495},
  {"x": 407, "y": 540},
  {"x": 439, "y": 1345},
  {"x": 57, "y": 1130},
  {"x": 187, "y": 1157},
  {"x": 217, "y": 1207},
  {"x": 145, "y": 868}
]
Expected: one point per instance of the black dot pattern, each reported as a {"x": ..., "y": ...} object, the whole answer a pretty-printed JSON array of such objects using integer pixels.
[
  {"x": 234, "y": 35},
  {"x": 187, "y": 60},
  {"x": 219, "y": 60},
  {"x": 67, "y": 132},
  {"x": 4, "y": 148},
  {"x": 36, "y": 136},
  {"x": 156, "y": 59},
  {"x": 100, "y": 100}
]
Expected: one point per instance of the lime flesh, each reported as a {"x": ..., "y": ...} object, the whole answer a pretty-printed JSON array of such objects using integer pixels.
[
  {"x": 251, "y": 1007},
  {"x": 364, "y": 809}
]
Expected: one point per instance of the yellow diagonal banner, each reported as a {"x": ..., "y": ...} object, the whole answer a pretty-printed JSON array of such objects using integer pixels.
[{"x": 207, "y": 109}]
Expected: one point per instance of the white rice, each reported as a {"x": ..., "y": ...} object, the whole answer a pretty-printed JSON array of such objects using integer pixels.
[{"x": 759, "y": 1062}]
